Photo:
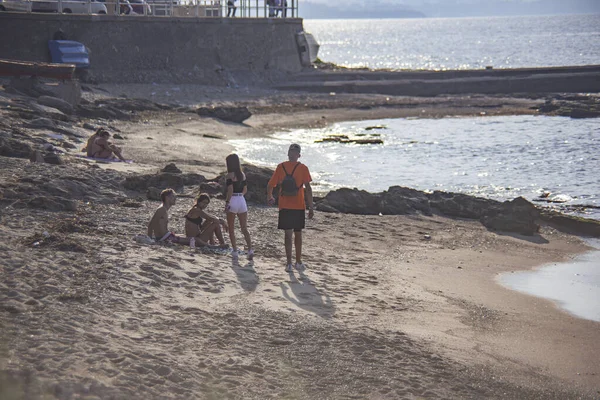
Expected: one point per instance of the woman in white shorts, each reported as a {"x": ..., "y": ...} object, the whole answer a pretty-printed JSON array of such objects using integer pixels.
[{"x": 235, "y": 203}]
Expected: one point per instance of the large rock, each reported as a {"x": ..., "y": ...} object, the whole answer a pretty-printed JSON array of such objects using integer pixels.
[
  {"x": 570, "y": 223},
  {"x": 395, "y": 201},
  {"x": 398, "y": 200},
  {"x": 230, "y": 114},
  {"x": 352, "y": 201},
  {"x": 10, "y": 147},
  {"x": 51, "y": 203},
  {"x": 460, "y": 205},
  {"x": 517, "y": 215},
  {"x": 161, "y": 181},
  {"x": 103, "y": 112},
  {"x": 57, "y": 103},
  {"x": 172, "y": 168}
]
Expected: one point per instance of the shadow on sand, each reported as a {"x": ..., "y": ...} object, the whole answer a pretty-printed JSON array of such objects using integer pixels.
[
  {"x": 246, "y": 275},
  {"x": 305, "y": 295}
]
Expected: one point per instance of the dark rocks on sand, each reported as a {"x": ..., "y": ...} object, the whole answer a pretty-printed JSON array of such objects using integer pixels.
[
  {"x": 160, "y": 181},
  {"x": 517, "y": 215},
  {"x": 571, "y": 224},
  {"x": 172, "y": 168},
  {"x": 347, "y": 139},
  {"x": 153, "y": 193},
  {"x": 459, "y": 205},
  {"x": 41, "y": 123},
  {"x": 105, "y": 112},
  {"x": 211, "y": 188},
  {"x": 52, "y": 203},
  {"x": 57, "y": 103},
  {"x": 396, "y": 201},
  {"x": 150, "y": 183},
  {"x": 52, "y": 158},
  {"x": 10, "y": 147},
  {"x": 370, "y": 128},
  {"x": 229, "y": 114}
]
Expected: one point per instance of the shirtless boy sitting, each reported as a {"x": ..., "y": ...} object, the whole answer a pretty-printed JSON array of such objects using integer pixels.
[
  {"x": 158, "y": 225},
  {"x": 102, "y": 148}
]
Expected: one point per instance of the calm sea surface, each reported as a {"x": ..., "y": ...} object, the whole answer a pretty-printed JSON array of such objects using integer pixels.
[
  {"x": 574, "y": 286},
  {"x": 459, "y": 43},
  {"x": 494, "y": 157}
]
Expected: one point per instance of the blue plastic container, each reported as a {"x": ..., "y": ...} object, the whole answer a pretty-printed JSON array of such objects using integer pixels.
[{"x": 69, "y": 52}]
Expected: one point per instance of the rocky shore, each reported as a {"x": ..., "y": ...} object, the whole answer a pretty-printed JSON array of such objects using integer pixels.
[{"x": 399, "y": 300}]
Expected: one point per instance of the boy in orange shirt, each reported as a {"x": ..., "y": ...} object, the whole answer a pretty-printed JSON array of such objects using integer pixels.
[{"x": 294, "y": 179}]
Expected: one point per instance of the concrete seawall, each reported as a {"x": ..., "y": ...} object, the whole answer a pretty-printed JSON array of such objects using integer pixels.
[{"x": 134, "y": 49}]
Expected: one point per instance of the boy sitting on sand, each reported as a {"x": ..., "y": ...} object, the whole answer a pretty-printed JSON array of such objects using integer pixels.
[{"x": 158, "y": 225}]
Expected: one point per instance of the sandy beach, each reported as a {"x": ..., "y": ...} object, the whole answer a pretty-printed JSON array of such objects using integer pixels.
[{"x": 390, "y": 307}]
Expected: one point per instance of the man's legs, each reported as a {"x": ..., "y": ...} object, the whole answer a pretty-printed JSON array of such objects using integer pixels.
[
  {"x": 298, "y": 244},
  {"x": 288, "y": 245}
]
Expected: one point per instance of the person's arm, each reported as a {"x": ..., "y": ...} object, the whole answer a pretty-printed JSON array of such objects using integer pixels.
[
  {"x": 309, "y": 199},
  {"x": 229, "y": 194},
  {"x": 151, "y": 225},
  {"x": 210, "y": 217},
  {"x": 271, "y": 185}
]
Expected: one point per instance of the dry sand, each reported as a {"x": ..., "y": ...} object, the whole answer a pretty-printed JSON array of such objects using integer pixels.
[{"x": 380, "y": 313}]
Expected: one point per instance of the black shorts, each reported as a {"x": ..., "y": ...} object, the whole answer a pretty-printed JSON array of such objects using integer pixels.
[{"x": 291, "y": 219}]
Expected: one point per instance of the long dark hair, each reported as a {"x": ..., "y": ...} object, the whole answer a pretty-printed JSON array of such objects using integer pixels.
[{"x": 233, "y": 165}]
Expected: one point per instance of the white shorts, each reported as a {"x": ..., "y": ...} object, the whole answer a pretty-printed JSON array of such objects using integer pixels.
[{"x": 237, "y": 205}]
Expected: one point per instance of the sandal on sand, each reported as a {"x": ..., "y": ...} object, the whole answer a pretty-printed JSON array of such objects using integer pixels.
[
  {"x": 300, "y": 267},
  {"x": 289, "y": 268},
  {"x": 250, "y": 254}
]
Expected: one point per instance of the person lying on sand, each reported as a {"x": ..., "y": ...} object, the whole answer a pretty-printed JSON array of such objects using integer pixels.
[
  {"x": 203, "y": 226},
  {"x": 158, "y": 225},
  {"x": 103, "y": 148}
]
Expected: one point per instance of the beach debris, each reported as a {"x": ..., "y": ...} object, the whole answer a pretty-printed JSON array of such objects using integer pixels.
[
  {"x": 427, "y": 237},
  {"x": 206, "y": 135},
  {"x": 361, "y": 139},
  {"x": 229, "y": 114},
  {"x": 370, "y": 128}
]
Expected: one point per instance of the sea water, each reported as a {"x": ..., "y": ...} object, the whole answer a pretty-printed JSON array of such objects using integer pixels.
[
  {"x": 459, "y": 43},
  {"x": 557, "y": 158},
  {"x": 574, "y": 286}
]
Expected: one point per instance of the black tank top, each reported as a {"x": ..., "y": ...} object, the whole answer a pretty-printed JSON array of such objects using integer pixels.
[{"x": 238, "y": 187}]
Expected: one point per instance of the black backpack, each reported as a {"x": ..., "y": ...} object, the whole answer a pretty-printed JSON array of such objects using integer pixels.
[{"x": 288, "y": 185}]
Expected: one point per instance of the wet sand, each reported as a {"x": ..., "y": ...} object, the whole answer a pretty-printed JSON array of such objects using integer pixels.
[{"x": 382, "y": 312}]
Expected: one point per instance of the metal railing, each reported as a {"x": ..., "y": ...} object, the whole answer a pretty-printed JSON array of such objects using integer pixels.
[{"x": 162, "y": 8}]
